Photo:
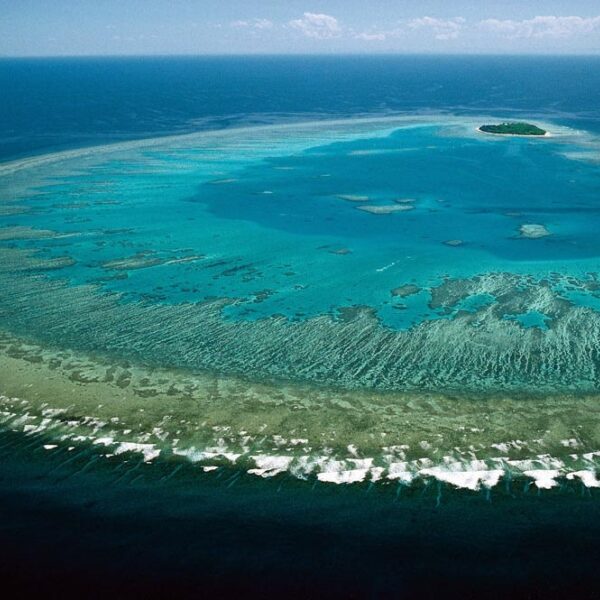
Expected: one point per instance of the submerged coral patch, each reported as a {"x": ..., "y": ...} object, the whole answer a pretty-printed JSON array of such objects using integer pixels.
[
  {"x": 384, "y": 209},
  {"x": 533, "y": 231}
]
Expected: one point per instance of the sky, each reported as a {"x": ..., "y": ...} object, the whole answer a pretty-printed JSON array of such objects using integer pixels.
[{"x": 158, "y": 27}]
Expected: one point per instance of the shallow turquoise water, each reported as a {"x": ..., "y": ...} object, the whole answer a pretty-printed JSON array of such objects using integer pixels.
[
  {"x": 287, "y": 222},
  {"x": 276, "y": 223}
]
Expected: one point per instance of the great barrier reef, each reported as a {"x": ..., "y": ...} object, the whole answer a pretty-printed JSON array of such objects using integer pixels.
[{"x": 351, "y": 354}]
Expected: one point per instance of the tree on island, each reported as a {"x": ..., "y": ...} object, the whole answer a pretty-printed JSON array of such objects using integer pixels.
[{"x": 513, "y": 129}]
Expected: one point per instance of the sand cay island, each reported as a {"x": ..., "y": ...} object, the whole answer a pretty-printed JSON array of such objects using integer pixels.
[{"x": 524, "y": 129}]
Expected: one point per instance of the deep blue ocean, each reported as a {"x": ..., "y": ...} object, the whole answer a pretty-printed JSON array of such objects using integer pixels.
[
  {"x": 296, "y": 243},
  {"x": 50, "y": 104}
]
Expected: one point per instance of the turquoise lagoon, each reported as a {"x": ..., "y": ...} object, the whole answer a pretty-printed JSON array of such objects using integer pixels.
[{"x": 354, "y": 300}]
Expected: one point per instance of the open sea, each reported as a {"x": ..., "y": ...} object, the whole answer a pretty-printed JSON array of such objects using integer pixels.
[{"x": 295, "y": 327}]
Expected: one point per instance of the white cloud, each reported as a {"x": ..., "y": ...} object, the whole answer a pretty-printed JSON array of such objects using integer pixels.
[
  {"x": 252, "y": 24},
  {"x": 320, "y": 26},
  {"x": 442, "y": 29},
  {"x": 371, "y": 36},
  {"x": 317, "y": 26},
  {"x": 542, "y": 27}
]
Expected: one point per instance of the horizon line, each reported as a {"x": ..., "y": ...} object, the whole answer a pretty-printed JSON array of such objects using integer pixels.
[{"x": 595, "y": 54}]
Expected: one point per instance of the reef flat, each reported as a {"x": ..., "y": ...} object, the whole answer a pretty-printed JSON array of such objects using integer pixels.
[{"x": 63, "y": 399}]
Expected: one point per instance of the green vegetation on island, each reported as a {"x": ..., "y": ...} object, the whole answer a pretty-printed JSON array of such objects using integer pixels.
[{"x": 513, "y": 129}]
